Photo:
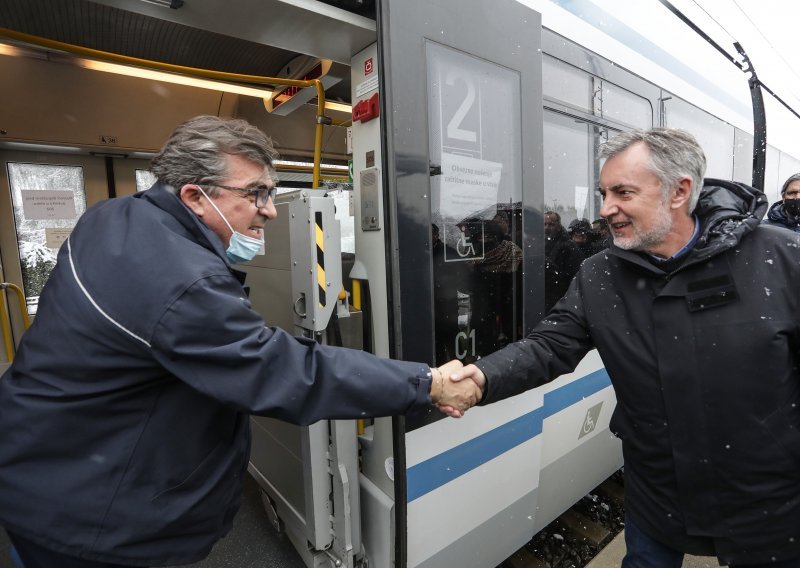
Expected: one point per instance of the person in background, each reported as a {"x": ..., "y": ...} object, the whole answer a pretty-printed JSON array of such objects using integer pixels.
[
  {"x": 695, "y": 314},
  {"x": 125, "y": 441},
  {"x": 786, "y": 213},
  {"x": 601, "y": 233},
  {"x": 501, "y": 219},
  {"x": 562, "y": 259},
  {"x": 581, "y": 233},
  {"x": 495, "y": 278}
]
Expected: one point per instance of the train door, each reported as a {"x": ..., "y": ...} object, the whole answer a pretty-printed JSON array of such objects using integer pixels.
[{"x": 462, "y": 119}]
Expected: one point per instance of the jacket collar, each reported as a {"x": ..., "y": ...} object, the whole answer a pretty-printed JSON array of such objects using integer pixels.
[
  {"x": 777, "y": 215},
  {"x": 165, "y": 198}
]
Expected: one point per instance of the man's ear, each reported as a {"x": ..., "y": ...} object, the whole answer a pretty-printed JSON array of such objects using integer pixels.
[
  {"x": 683, "y": 193},
  {"x": 192, "y": 197}
]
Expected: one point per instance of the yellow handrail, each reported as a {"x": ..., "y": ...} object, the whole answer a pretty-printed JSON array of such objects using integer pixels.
[
  {"x": 321, "y": 119},
  {"x": 5, "y": 325},
  {"x": 5, "y": 320}
]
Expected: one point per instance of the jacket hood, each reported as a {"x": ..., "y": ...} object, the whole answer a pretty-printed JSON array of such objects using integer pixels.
[{"x": 728, "y": 210}]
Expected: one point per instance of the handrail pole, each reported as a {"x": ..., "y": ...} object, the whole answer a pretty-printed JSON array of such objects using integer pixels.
[
  {"x": 23, "y": 308},
  {"x": 5, "y": 324},
  {"x": 322, "y": 120}
]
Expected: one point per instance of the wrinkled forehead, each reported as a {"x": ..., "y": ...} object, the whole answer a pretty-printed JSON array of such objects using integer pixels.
[
  {"x": 793, "y": 187},
  {"x": 249, "y": 172}
]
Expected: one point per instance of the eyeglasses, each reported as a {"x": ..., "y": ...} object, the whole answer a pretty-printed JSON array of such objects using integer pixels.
[{"x": 261, "y": 195}]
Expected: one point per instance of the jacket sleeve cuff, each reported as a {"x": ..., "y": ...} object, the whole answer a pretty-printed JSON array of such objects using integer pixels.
[
  {"x": 423, "y": 382},
  {"x": 490, "y": 373}
]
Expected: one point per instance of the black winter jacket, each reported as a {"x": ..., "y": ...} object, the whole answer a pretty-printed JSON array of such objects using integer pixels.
[
  {"x": 704, "y": 362},
  {"x": 124, "y": 417}
]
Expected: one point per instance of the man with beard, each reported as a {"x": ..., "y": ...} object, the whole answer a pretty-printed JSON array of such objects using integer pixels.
[
  {"x": 786, "y": 213},
  {"x": 694, "y": 313}
]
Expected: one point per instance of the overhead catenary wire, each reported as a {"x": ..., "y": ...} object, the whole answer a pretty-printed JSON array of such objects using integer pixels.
[
  {"x": 766, "y": 39},
  {"x": 758, "y": 31},
  {"x": 745, "y": 68}
]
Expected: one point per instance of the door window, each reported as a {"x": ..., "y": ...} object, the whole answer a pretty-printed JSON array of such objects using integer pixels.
[
  {"x": 476, "y": 203},
  {"x": 47, "y": 200},
  {"x": 144, "y": 179},
  {"x": 715, "y": 136},
  {"x": 571, "y": 200}
]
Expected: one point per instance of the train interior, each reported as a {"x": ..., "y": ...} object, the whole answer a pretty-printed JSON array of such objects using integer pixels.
[
  {"x": 420, "y": 264},
  {"x": 79, "y": 135}
]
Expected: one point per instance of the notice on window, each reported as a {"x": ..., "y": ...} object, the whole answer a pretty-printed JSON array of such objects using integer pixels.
[
  {"x": 48, "y": 204},
  {"x": 55, "y": 237},
  {"x": 469, "y": 185}
]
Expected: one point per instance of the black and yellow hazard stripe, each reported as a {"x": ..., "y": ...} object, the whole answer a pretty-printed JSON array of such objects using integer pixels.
[{"x": 320, "y": 258}]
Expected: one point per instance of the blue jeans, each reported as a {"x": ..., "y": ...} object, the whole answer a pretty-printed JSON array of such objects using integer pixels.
[
  {"x": 645, "y": 552},
  {"x": 641, "y": 551}
]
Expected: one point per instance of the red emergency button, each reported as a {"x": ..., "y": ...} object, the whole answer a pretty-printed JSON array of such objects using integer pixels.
[{"x": 366, "y": 110}]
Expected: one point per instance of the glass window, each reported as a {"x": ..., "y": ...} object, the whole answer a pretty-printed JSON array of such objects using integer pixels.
[
  {"x": 474, "y": 116},
  {"x": 571, "y": 201},
  {"x": 714, "y": 135},
  {"x": 571, "y": 167},
  {"x": 565, "y": 83},
  {"x": 47, "y": 201},
  {"x": 342, "y": 195},
  {"x": 743, "y": 157},
  {"x": 144, "y": 179},
  {"x": 623, "y": 106},
  {"x": 772, "y": 179}
]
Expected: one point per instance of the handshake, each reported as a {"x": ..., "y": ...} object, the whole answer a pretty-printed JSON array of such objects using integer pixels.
[{"x": 455, "y": 388}]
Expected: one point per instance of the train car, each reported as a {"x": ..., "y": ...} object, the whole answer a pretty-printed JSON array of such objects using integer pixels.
[{"x": 422, "y": 143}]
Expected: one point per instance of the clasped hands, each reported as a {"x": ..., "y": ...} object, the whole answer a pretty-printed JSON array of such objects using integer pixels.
[{"x": 456, "y": 388}]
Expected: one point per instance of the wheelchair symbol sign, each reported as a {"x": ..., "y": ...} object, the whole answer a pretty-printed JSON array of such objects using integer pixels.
[
  {"x": 590, "y": 422},
  {"x": 468, "y": 243}
]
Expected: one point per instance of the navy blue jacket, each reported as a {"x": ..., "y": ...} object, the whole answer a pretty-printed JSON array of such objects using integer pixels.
[
  {"x": 705, "y": 363},
  {"x": 778, "y": 217},
  {"x": 124, "y": 417}
]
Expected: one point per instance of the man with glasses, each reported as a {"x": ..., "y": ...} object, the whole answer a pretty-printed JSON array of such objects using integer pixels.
[{"x": 125, "y": 413}]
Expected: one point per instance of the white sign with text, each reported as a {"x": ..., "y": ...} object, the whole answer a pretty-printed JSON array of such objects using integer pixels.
[
  {"x": 469, "y": 185},
  {"x": 48, "y": 204}
]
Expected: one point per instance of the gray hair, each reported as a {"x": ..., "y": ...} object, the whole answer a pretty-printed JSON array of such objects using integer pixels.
[
  {"x": 673, "y": 154},
  {"x": 195, "y": 151},
  {"x": 792, "y": 178}
]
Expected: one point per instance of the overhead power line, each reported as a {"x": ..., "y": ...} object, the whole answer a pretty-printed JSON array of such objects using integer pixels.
[
  {"x": 748, "y": 69},
  {"x": 765, "y": 38}
]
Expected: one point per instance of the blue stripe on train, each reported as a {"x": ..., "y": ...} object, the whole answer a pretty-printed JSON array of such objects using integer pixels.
[{"x": 455, "y": 462}]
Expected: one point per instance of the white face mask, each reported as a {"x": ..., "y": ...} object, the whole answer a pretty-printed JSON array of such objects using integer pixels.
[{"x": 241, "y": 248}]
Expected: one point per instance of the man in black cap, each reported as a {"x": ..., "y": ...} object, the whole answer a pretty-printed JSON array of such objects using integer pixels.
[{"x": 580, "y": 231}]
